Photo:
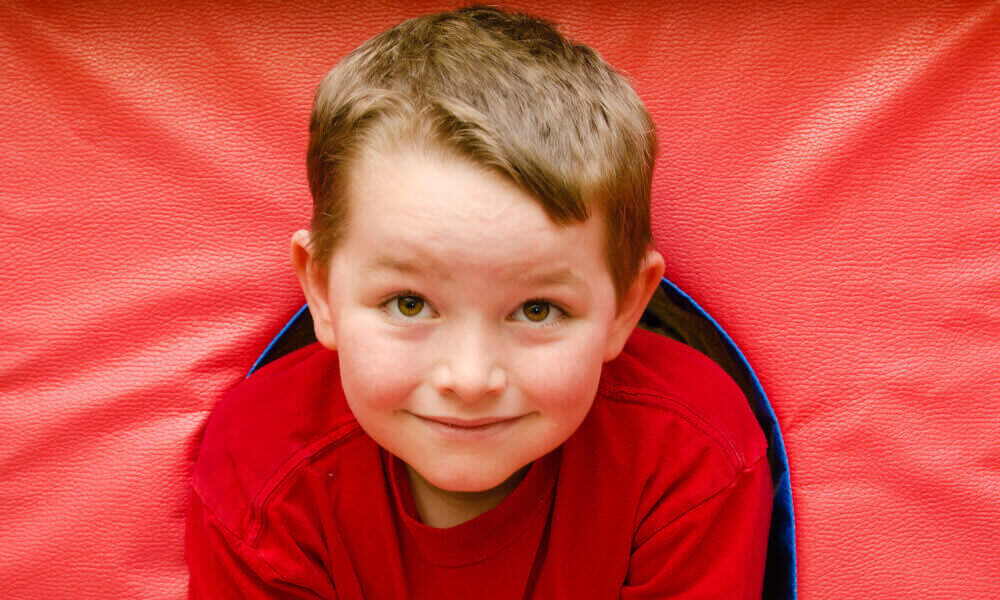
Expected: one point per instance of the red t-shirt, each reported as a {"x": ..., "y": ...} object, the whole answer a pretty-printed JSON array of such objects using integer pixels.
[{"x": 663, "y": 491}]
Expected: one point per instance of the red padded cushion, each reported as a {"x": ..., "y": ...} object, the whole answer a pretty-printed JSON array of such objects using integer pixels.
[{"x": 826, "y": 188}]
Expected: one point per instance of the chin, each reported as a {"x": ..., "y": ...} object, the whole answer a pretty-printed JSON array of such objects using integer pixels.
[{"x": 465, "y": 480}]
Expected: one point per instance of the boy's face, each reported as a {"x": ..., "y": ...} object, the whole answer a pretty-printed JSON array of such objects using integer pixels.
[{"x": 454, "y": 296}]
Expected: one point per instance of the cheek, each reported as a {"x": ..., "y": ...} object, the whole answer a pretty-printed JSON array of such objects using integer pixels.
[
  {"x": 377, "y": 372},
  {"x": 561, "y": 379}
]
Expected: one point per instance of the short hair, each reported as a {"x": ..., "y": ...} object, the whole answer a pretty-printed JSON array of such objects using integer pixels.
[{"x": 506, "y": 91}]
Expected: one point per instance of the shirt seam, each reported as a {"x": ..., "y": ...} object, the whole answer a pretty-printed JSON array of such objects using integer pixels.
[
  {"x": 700, "y": 503},
  {"x": 249, "y": 547},
  {"x": 547, "y": 500},
  {"x": 309, "y": 452},
  {"x": 711, "y": 431},
  {"x": 520, "y": 532}
]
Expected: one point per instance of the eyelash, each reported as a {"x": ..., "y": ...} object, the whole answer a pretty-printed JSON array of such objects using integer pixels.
[{"x": 564, "y": 314}]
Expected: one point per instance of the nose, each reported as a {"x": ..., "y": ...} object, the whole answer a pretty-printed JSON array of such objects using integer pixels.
[{"x": 469, "y": 368}]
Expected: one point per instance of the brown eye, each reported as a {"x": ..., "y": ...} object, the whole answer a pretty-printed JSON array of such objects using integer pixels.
[
  {"x": 536, "y": 311},
  {"x": 409, "y": 305}
]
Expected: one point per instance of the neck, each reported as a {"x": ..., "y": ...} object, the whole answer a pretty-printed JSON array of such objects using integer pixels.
[{"x": 444, "y": 508}]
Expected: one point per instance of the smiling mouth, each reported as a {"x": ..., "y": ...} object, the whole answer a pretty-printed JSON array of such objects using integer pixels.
[{"x": 472, "y": 424}]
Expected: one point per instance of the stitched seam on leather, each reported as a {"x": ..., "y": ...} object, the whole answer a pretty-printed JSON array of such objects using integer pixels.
[
  {"x": 635, "y": 396},
  {"x": 702, "y": 502},
  {"x": 249, "y": 547}
]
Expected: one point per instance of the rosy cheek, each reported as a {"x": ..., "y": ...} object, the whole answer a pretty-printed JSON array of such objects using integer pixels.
[
  {"x": 377, "y": 370},
  {"x": 559, "y": 379}
]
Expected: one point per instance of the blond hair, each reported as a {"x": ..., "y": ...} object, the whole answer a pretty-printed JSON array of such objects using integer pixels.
[{"x": 509, "y": 93}]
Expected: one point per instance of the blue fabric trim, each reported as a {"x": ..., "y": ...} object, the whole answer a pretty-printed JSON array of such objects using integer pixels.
[
  {"x": 780, "y": 569},
  {"x": 274, "y": 341}
]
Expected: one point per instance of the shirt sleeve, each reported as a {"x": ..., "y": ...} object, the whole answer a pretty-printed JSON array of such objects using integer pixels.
[
  {"x": 714, "y": 550},
  {"x": 222, "y": 565}
]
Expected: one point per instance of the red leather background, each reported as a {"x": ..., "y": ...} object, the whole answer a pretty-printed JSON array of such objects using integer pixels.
[{"x": 827, "y": 188}]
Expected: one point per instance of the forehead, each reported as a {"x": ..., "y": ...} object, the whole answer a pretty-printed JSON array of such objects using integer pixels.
[{"x": 431, "y": 210}]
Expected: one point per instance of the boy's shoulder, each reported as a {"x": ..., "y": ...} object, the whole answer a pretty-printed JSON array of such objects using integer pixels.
[
  {"x": 264, "y": 426},
  {"x": 667, "y": 384}
]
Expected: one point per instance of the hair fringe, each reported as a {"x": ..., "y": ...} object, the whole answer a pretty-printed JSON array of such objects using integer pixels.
[{"x": 505, "y": 90}]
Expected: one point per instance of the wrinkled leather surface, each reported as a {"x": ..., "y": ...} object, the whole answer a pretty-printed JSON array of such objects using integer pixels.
[{"x": 827, "y": 188}]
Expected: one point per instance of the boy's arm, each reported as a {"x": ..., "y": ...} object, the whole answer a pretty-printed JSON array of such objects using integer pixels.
[
  {"x": 713, "y": 551},
  {"x": 221, "y": 565}
]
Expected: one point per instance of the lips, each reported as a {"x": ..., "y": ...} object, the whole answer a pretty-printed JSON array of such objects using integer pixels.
[
  {"x": 489, "y": 429},
  {"x": 468, "y": 422}
]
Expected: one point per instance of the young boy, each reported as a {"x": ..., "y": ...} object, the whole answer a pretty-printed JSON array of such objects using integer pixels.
[{"x": 480, "y": 417}]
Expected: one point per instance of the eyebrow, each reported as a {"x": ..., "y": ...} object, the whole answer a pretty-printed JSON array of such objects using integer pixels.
[
  {"x": 383, "y": 262},
  {"x": 564, "y": 277}
]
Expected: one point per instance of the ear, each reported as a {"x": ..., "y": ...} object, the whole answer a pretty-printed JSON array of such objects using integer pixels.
[
  {"x": 634, "y": 303},
  {"x": 314, "y": 286}
]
